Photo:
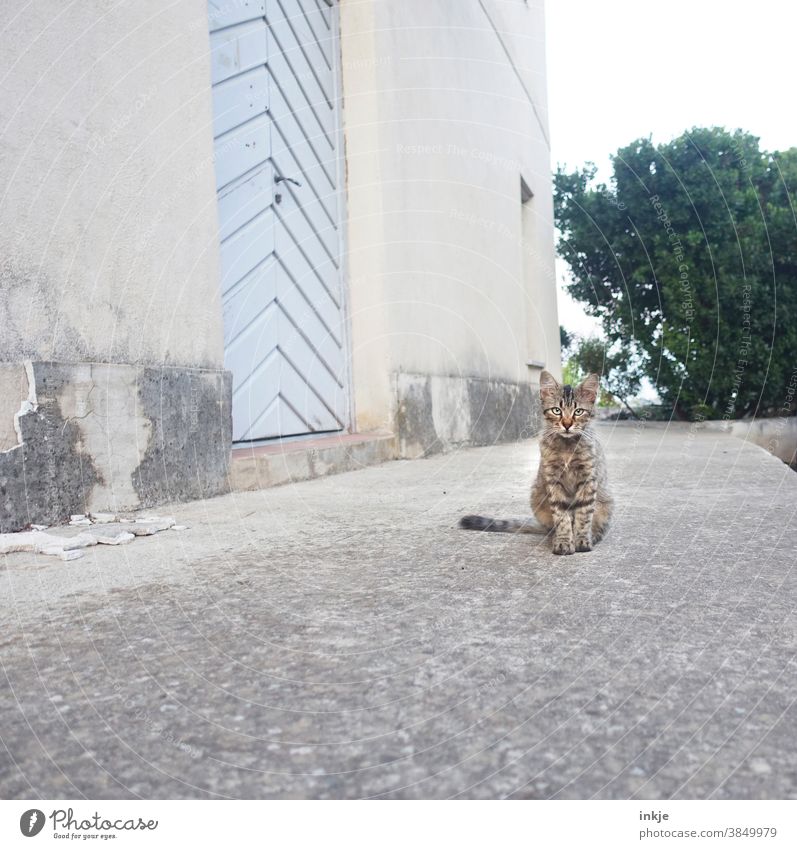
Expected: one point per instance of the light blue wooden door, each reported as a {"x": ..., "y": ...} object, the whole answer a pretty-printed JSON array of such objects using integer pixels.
[{"x": 276, "y": 126}]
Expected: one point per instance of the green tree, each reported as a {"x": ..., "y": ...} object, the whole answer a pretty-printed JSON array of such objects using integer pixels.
[
  {"x": 620, "y": 378},
  {"x": 565, "y": 339},
  {"x": 689, "y": 259}
]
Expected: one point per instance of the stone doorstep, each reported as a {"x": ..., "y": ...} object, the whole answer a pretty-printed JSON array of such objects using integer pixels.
[{"x": 263, "y": 466}]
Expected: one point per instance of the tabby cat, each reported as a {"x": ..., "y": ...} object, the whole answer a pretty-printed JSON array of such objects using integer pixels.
[{"x": 570, "y": 497}]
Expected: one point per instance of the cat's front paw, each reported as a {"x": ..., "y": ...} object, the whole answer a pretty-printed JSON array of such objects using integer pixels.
[
  {"x": 583, "y": 544},
  {"x": 563, "y": 546}
]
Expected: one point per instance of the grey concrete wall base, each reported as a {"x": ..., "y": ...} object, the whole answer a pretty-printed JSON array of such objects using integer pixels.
[
  {"x": 776, "y": 435},
  {"x": 437, "y": 413},
  {"x": 77, "y": 437},
  {"x": 263, "y": 466}
]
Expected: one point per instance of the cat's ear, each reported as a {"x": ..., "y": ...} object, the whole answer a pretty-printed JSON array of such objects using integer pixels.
[
  {"x": 588, "y": 388},
  {"x": 548, "y": 384}
]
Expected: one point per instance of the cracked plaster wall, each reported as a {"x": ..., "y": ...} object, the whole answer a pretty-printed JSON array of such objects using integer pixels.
[
  {"x": 94, "y": 437},
  {"x": 109, "y": 263}
]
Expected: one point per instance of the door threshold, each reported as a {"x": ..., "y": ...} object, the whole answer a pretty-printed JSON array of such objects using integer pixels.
[
  {"x": 282, "y": 440},
  {"x": 282, "y": 461}
]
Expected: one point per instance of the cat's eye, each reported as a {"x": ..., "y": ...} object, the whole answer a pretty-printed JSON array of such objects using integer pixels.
[
  {"x": 580, "y": 412},
  {"x": 556, "y": 411}
]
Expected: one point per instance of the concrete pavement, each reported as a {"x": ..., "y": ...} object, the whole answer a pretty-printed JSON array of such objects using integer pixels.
[{"x": 342, "y": 638}]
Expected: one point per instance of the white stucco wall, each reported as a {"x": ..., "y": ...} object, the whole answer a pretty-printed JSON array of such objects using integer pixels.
[
  {"x": 108, "y": 214},
  {"x": 108, "y": 245},
  {"x": 444, "y": 111}
]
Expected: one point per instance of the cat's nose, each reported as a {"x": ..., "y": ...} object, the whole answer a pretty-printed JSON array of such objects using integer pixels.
[{"x": 567, "y": 425}]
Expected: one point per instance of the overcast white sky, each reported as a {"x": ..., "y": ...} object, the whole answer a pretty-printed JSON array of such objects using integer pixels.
[{"x": 622, "y": 69}]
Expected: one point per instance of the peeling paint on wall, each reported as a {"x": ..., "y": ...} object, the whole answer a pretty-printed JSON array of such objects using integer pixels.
[
  {"x": 17, "y": 397},
  {"x": 436, "y": 413},
  {"x": 47, "y": 476},
  {"x": 188, "y": 452},
  {"x": 102, "y": 401},
  {"x": 93, "y": 437}
]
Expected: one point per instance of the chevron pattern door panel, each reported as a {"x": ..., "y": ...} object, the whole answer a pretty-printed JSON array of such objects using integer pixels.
[{"x": 276, "y": 126}]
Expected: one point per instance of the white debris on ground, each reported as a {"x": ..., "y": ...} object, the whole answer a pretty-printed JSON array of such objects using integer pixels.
[
  {"x": 79, "y": 519},
  {"x": 40, "y": 542},
  {"x": 103, "y": 518},
  {"x": 97, "y": 529}
]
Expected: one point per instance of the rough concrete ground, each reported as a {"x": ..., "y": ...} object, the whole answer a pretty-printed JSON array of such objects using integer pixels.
[{"x": 341, "y": 638}]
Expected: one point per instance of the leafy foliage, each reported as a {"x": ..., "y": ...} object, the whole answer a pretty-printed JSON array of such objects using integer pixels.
[
  {"x": 620, "y": 378},
  {"x": 689, "y": 259},
  {"x": 565, "y": 339}
]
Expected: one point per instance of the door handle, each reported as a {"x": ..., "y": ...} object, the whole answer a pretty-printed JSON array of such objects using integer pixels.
[{"x": 280, "y": 179}]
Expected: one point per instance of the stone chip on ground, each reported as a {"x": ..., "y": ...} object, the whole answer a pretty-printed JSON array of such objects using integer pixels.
[
  {"x": 103, "y": 518},
  {"x": 66, "y": 543},
  {"x": 41, "y": 542},
  {"x": 111, "y": 534},
  {"x": 151, "y": 525}
]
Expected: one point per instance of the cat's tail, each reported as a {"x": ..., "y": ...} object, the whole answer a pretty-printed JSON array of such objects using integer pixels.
[{"x": 504, "y": 526}]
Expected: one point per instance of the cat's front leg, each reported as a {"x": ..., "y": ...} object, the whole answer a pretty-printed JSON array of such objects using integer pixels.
[
  {"x": 582, "y": 529},
  {"x": 558, "y": 503},
  {"x": 583, "y": 512},
  {"x": 563, "y": 542}
]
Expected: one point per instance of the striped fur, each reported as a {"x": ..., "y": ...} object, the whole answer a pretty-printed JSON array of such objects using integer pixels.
[
  {"x": 570, "y": 497},
  {"x": 504, "y": 526}
]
